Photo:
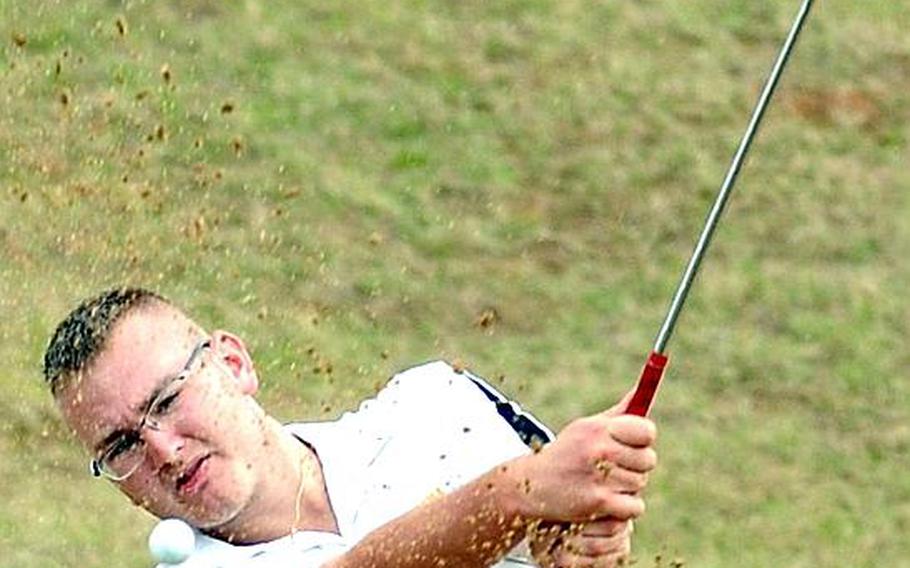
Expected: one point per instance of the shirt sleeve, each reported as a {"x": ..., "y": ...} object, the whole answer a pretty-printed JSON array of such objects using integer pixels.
[
  {"x": 437, "y": 388},
  {"x": 455, "y": 426}
]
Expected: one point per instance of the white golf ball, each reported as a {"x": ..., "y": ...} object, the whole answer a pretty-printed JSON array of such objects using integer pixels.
[{"x": 172, "y": 541}]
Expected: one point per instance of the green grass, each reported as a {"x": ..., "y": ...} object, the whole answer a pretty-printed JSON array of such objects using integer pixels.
[{"x": 353, "y": 183}]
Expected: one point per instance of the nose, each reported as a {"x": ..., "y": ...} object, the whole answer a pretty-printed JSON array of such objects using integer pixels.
[{"x": 162, "y": 446}]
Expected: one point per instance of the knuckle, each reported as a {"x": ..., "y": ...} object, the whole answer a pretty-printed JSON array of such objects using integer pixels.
[
  {"x": 587, "y": 422},
  {"x": 639, "y": 507},
  {"x": 610, "y": 452},
  {"x": 635, "y": 430},
  {"x": 630, "y": 507},
  {"x": 643, "y": 481},
  {"x": 647, "y": 432},
  {"x": 596, "y": 427},
  {"x": 641, "y": 460},
  {"x": 650, "y": 459},
  {"x": 635, "y": 482},
  {"x": 605, "y": 501}
]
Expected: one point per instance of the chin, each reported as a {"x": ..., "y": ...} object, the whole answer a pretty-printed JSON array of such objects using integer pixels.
[
  {"x": 220, "y": 502},
  {"x": 212, "y": 522}
]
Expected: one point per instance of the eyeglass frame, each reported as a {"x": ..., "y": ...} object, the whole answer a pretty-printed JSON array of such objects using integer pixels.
[{"x": 96, "y": 464}]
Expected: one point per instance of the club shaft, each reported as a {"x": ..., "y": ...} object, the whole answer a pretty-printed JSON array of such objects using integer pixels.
[{"x": 682, "y": 291}]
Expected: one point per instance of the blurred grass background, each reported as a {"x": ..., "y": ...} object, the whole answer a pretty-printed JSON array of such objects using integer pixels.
[{"x": 355, "y": 187}]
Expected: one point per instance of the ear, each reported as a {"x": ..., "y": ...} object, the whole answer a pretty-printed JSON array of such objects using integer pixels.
[{"x": 231, "y": 351}]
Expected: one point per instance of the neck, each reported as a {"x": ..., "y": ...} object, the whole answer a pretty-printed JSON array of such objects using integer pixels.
[{"x": 292, "y": 496}]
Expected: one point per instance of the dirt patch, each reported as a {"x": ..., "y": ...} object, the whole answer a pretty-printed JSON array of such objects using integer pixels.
[{"x": 847, "y": 106}]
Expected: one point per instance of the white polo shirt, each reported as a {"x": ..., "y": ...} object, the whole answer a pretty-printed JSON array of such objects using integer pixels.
[{"x": 429, "y": 431}]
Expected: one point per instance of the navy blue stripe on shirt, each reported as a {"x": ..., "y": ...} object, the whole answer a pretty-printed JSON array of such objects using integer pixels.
[{"x": 533, "y": 433}]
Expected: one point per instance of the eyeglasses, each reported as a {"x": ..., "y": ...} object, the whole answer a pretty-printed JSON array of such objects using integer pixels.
[{"x": 123, "y": 456}]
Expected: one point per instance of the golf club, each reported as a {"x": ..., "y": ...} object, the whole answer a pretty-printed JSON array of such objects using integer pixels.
[{"x": 652, "y": 373}]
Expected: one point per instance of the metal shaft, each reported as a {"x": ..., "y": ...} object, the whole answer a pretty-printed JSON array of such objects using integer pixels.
[{"x": 682, "y": 291}]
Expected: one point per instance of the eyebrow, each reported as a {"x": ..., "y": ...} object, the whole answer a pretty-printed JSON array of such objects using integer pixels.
[{"x": 141, "y": 409}]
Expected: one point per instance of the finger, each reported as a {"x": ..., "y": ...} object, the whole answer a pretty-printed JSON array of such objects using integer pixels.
[
  {"x": 601, "y": 545},
  {"x": 593, "y": 539},
  {"x": 564, "y": 559},
  {"x": 640, "y": 460},
  {"x": 621, "y": 505},
  {"x": 626, "y": 480},
  {"x": 567, "y": 560},
  {"x": 546, "y": 547},
  {"x": 621, "y": 406},
  {"x": 545, "y": 537},
  {"x": 610, "y": 551},
  {"x": 606, "y": 527},
  {"x": 632, "y": 430},
  {"x": 574, "y": 548}
]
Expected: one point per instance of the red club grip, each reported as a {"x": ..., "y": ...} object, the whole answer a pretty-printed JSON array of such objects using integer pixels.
[{"x": 647, "y": 384}]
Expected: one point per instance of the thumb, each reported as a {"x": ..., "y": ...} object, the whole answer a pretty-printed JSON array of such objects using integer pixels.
[{"x": 620, "y": 407}]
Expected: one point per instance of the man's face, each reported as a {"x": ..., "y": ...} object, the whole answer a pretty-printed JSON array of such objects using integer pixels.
[{"x": 200, "y": 464}]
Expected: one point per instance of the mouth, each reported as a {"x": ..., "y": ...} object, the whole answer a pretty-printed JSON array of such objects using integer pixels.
[{"x": 193, "y": 477}]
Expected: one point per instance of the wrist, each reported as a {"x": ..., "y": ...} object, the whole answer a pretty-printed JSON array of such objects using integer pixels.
[{"x": 510, "y": 490}]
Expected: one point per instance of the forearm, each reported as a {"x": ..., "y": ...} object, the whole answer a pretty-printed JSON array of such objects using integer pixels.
[
  {"x": 473, "y": 526},
  {"x": 595, "y": 469}
]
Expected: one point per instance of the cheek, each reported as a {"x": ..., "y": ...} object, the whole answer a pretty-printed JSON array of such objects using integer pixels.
[
  {"x": 213, "y": 395},
  {"x": 145, "y": 492},
  {"x": 201, "y": 434},
  {"x": 217, "y": 420},
  {"x": 222, "y": 419},
  {"x": 203, "y": 411}
]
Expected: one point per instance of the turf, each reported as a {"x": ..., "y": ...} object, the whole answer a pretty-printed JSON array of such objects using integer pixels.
[{"x": 358, "y": 186}]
